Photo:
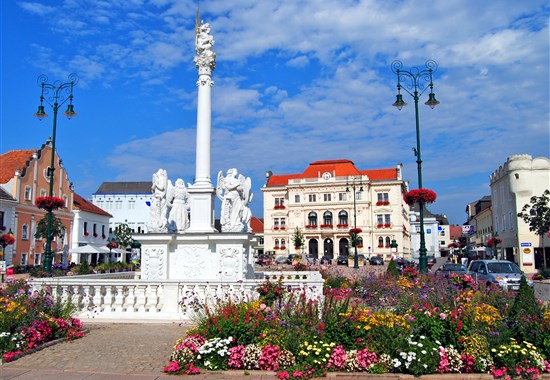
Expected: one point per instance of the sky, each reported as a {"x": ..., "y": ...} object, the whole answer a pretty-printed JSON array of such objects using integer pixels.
[{"x": 295, "y": 82}]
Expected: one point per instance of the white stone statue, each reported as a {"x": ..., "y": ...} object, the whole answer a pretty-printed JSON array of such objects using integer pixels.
[
  {"x": 234, "y": 192},
  {"x": 178, "y": 218},
  {"x": 160, "y": 205},
  {"x": 203, "y": 42}
]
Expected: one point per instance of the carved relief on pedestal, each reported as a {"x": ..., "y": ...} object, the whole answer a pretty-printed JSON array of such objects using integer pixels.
[
  {"x": 190, "y": 262},
  {"x": 229, "y": 262},
  {"x": 153, "y": 263}
]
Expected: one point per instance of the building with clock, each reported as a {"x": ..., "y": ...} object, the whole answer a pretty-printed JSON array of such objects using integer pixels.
[{"x": 329, "y": 198}]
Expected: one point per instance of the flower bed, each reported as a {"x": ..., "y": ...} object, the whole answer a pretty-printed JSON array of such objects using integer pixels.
[
  {"x": 415, "y": 324},
  {"x": 29, "y": 319}
]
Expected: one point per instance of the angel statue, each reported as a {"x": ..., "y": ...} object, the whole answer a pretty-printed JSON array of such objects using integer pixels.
[
  {"x": 203, "y": 43},
  {"x": 178, "y": 218},
  {"x": 234, "y": 192},
  {"x": 160, "y": 206}
]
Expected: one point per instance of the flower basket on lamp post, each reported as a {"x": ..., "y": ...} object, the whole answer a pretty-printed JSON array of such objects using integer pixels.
[
  {"x": 49, "y": 203},
  {"x": 419, "y": 196}
]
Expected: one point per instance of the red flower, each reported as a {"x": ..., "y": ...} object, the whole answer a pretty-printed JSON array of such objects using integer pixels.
[
  {"x": 6, "y": 239},
  {"x": 494, "y": 241},
  {"x": 49, "y": 203},
  {"x": 419, "y": 195},
  {"x": 86, "y": 233},
  {"x": 355, "y": 231}
]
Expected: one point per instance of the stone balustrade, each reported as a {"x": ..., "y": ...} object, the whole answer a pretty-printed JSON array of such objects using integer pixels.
[{"x": 126, "y": 297}]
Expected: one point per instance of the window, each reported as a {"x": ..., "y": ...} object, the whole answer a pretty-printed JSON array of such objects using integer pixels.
[
  {"x": 297, "y": 198},
  {"x": 380, "y": 242},
  {"x": 327, "y": 197},
  {"x": 503, "y": 222},
  {"x": 131, "y": 205},
  {"x": 279, "y": 202},
  {"x": 261, "y": 240},
  {"x": 442, "y": 243},
  {"x": 103, "y": 232},
  {"x": 42, "y": 192},
  {"x": 511, "y": 222},
  {"x": 24, "y": 258},
  {"x": 358, "y": 196},
  {"x": 27, "y": 193},
  {"x": 2, "y": 216},
  {"x": 383, "y": 198},
  {"x": 86, "y": 229},
  {"x": 25, "y": 232},
  {"x": 37, "y": 257},
  {"x": 343, "y": 217},
  {"x": 283, "y": 244},
  {"x": 312, "y": 219},
  {"x": 387, "y": 219},
  {"x": 276, "y": 223},
  {"x": 276, "y": 243},
  {"x": 95, "y": 230},
  {"x": 379, "y": 219},
  {"x": 283, "y": 223},
  {"x": 342, "y": 196},
  {"x": 442, "y": 233},
  {"x": 99, "y": 204},
  {"x": 387, "y": 241},
  {"x": 312, "y": 197},
  {"x": 327, "y": 217},
  {"x": 66, "y": 200},
  {"x": 109, "y": 205},
  {"x": 118, "y": 205}
]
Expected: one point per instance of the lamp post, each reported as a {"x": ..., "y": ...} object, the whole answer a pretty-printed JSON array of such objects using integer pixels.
[
  {"x": 55, "y": 94},
  {"x": 415, "y": 82},
  {"x": 354, "y": 186}
]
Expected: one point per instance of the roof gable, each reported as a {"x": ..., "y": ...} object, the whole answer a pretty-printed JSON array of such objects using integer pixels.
[
  {"x": 83, "y": 205},
  {"x": 338, "y": 168},
  {"x": 13, "y": 160}
]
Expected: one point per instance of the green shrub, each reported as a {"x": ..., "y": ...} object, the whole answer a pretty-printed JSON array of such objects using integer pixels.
[{"x": 392, "y": 269}]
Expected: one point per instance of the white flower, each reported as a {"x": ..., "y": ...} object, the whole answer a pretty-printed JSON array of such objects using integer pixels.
[
  {"x": 420, "y": 345},
  {"x": 424, "y": 352}
]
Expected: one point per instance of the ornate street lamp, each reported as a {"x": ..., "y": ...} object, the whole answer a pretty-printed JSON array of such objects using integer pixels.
[
  {"x": 415, "y": 82},
  {"x": 55, "y": 94},
  {"x": 354, "y": 186}
]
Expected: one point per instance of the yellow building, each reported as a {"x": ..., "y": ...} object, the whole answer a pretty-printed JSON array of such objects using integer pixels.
[{"x": 320, "y": 202}]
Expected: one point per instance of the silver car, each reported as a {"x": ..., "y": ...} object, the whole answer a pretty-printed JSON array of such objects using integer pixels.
[{"x": 503, "y": 273}]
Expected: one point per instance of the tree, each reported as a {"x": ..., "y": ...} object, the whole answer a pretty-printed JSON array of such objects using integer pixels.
[
  {"x": 537, "y": 214},
  {"x": 57, "y": 228},
  {"x": 123, "y": 236},
  {"x": 298, "y": 238}
]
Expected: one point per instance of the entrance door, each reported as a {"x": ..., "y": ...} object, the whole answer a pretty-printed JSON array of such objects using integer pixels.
[
  {"x": 314, "y": 248},
  {"x": 343, "y": 247},
  {"x": 328, "y": 248}
]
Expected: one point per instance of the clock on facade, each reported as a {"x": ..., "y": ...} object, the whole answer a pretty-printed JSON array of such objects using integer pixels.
[{"x": 326, "y": 175}]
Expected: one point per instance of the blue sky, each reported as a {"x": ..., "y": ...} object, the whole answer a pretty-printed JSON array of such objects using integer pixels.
[{"x": 295, "y": 82}]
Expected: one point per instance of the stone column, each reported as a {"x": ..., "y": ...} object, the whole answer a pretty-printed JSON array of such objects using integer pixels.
[{"x": 201, "y": 193}]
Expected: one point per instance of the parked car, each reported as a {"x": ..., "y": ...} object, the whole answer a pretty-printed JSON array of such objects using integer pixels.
[
  {"x": 402, "y": 263},
  {"x": 264, "y": 260},
  {"x": 431, "y": 262},
  {"x": 376, "y": 260},
  {"x": 503, "y": 273},
  {"x": 342, "y": 260},
  {"x": 281, "y": 260},
  {"x": 292, "y": 257},
  {"x": 326, "y": 260},
  {"x": 447, "y": 269}
]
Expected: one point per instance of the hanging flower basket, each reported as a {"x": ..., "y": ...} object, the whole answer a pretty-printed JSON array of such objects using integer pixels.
[
  {"x": 6, "y": 239},
  {"x": 419, "y": 195},
  {"x": 492, "y": 242},
  {"x": 49, "y": 203},
  {"x": 112, "y": 245}
]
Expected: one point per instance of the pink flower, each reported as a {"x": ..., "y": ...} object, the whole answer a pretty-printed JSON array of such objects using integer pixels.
[
  {"x": 283, "y": 375},
  {"x": 443, "y": 316}
]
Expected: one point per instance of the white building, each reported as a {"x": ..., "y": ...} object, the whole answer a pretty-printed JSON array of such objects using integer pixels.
[
  {"x": 432, "y": 233},
  {"x": 91, "y": 228},
  {"x": 127, "y": 202},
  {"x": 320, "y": 202},
  {"x": 512, "y": 186}
]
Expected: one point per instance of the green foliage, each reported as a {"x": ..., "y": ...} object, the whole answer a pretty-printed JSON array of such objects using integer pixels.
[
  {"x": 83, "y": 268},
  {"x": 298, "y": 238},
  {"x": 392, "y": 268},
  {"x": 123, "y": 236},
  {"x": 57, "y": 228},
  {"x": 537, "y": 213}
]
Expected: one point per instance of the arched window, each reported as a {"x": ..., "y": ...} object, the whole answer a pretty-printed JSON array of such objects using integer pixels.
[
  {"x": 283, "y": 245},
  {"x": 343, "y": 217},
  {"x": 327, "y": 217},
  {"x": 276, "y": 243},
  {"x": 380, "y": 241},
  {"x": 312, "y": 218},
  {"x": 359, "y": 242},
  {"x": 387, "y": 241}
]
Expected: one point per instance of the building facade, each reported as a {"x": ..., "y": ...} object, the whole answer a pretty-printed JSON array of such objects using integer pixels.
[
  {"x": 512, "y": 186},
  {"x": 327, "y": 200},
  {"x": 433, "y": 232},
  {"x": 127, "y": 202},
  {"x": 24, "y": 175}
]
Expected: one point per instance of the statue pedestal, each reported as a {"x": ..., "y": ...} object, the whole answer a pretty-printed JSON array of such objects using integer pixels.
[{"x": 200, "y": 257}]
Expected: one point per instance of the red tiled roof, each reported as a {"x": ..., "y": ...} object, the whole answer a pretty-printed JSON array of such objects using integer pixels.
[
  {"x": 84, "y": 205},
  {"x": 339, "y": 168},
  {"x": 11, "y": 161},
  {"x": 257, "y": 225}
]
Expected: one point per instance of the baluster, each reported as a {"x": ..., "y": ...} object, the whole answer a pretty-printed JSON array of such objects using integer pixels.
[
  {"x": 97, "y": 300},
  {"x": 141, "y": 298},
  {"x": 108, "y": 299},
  {"x": 130, "y": 300},
  {"x": 152, "y": 298},
  {"x": 119, "y": 298}
]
